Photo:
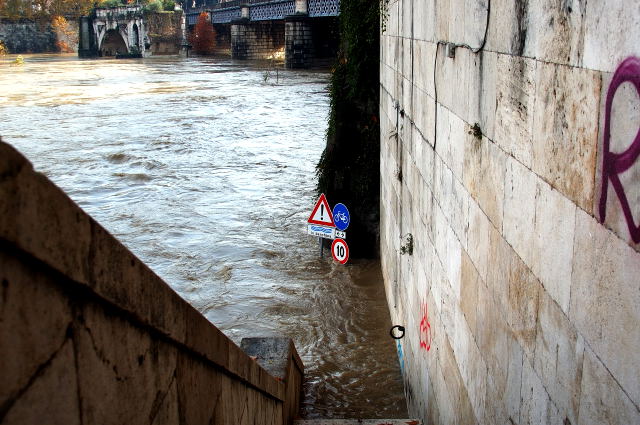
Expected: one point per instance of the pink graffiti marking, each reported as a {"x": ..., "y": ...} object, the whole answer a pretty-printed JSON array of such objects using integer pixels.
[
  {"x": 614, "y": 164},
  {"x": 425, "y": 329}
]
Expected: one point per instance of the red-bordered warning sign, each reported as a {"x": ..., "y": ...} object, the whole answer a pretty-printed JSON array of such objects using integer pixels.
[
  {"x": 322, "y": 214},
  {"x": 340, "y": 250}
]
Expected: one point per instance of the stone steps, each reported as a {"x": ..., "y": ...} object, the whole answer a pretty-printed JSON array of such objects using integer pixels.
[{"x": 357, "y": 422}]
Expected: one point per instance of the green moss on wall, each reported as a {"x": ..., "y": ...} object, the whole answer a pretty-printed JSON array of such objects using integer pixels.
[{"x": 348, "y": 171}]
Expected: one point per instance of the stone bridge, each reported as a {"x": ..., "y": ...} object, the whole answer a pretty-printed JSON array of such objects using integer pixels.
[
  {"x": 114, "y": 31},
  {"x": 304, "y": 31}
]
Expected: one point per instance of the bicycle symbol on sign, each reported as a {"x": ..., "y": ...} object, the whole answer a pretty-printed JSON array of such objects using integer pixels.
[{"x": 341, "y": 217}]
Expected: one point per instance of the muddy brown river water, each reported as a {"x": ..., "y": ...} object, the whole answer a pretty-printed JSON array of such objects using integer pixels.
[{"x": 204, "y": 168}]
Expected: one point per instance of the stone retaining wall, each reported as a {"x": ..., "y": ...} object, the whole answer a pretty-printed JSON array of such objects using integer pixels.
[
  {"x": 89, "y": 334},
  {"x": 27, "y": 36},
  {"x": 508, "y": 251}
]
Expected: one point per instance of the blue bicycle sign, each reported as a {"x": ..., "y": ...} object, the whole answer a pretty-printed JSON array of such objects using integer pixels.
[{"x": 341, "y": 216}]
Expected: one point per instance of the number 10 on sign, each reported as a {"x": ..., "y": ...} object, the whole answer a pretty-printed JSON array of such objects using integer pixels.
[{"x": 340, "y": 250}]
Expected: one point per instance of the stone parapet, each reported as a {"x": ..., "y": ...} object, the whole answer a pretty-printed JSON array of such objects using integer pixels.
[{"x": 89, "y": 334}]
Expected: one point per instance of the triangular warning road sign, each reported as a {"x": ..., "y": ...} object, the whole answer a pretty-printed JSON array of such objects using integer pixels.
[{"x": 322, "y": 214}]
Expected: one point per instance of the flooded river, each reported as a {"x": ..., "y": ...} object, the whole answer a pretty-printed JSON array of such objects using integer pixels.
[{"x": 204, "y": 168}]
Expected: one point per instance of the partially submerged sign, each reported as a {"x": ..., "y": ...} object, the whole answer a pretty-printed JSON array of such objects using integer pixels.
[
  {"x": 321, "y": 231},
  {"x": 340, "y": 251},
  {"x": 330, "y": 224}
]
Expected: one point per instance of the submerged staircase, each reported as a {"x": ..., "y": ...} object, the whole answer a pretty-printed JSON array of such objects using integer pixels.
[{"x": 275, "y": 354}]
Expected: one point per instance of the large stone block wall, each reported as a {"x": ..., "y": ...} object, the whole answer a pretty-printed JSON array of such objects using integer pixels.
[
  {"x": 298, "y": 43},
  {"x": 28, "y": 36},
  {"x": 517, "y": 281},
  {"x": 89, "y": 334},
  {"x": 257, "y": 40}
]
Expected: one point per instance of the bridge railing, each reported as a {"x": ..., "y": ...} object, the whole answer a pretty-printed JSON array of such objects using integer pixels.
[
  {"x": 261, "y": 10},
  {"x": 319, "y": 8},
  {"x": 224, "y": 15},
  {"x": 277, "y": 9},
  {"x": 119, "y": 11}
]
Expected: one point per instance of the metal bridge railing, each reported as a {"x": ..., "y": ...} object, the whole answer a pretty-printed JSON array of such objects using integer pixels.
[
  {"x": 271, "y": 10},
  {"x": 261, "y": 10},
  {"x": 319, "y": 8}
]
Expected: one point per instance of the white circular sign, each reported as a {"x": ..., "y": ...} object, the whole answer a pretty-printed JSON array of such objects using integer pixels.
[{"x": 340, "y": 250}]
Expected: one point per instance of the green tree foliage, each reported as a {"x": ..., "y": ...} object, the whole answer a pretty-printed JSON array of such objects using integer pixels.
[
  {"x": 110, "y": 3},
  {"x": 14, "y": 9},
  {"x": 349, "y": 168},
  {"x": 203, "y": 37},
  {"x": 168, "y": 5},
  {"x": 34, "y": 9},
  {"x": 154, "y": 6}
]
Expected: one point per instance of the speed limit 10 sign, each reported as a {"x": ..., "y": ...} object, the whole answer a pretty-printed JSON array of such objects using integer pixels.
[{"x": 340, "y": 250}]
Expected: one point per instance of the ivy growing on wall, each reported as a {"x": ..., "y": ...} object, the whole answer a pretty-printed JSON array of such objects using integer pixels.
[
  {"x": 384, "y": 15},
  {"x": 348, "y": 170}
]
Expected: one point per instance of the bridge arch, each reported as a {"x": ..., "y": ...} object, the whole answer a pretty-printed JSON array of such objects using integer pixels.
[
  {"x": 113, "y": 44},
  {"x": 113, "y": 30}
]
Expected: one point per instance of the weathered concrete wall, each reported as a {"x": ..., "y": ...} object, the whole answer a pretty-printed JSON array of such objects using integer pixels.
[
  {"x": 520, "y": 305},
  {"x": 89, "y": 334}
]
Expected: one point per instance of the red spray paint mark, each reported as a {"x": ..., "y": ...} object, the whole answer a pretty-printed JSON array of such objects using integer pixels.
[
  {"x": 425, "y": 329},
  {"x": 614, "y": 164}
]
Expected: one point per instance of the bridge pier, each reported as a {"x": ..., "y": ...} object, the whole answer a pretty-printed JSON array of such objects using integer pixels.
[
  {"x": 298, "y": 35},
  {"x": 87, "y": 40},
  {"x": 256, "y": 40}
]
